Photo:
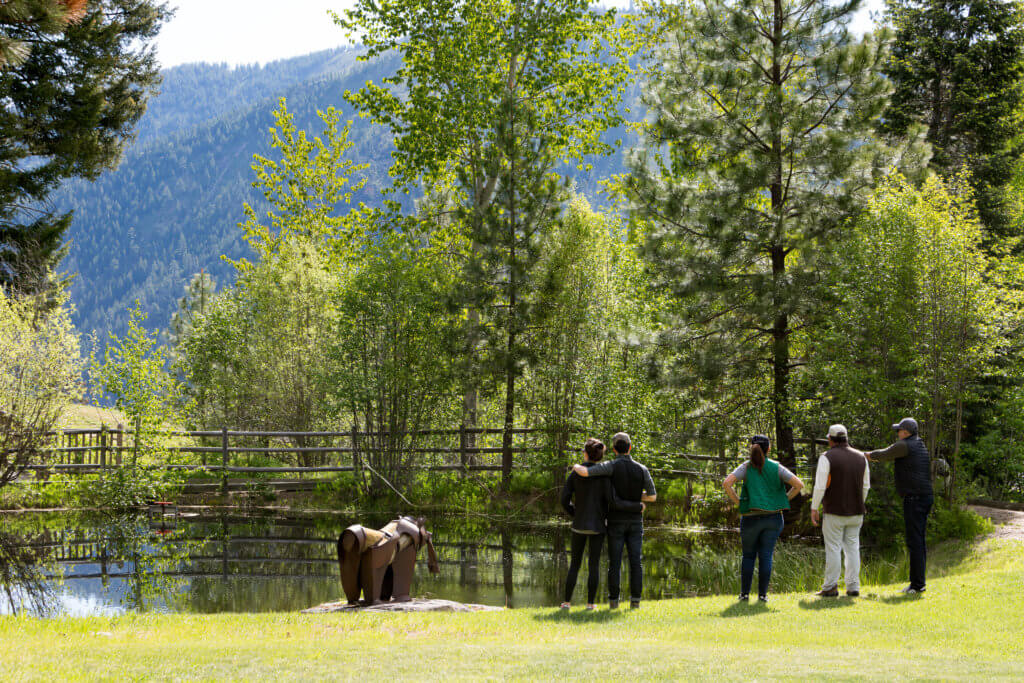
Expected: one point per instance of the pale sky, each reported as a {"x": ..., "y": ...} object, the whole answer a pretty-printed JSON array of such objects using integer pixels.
[{"x": 248, "y": 31}]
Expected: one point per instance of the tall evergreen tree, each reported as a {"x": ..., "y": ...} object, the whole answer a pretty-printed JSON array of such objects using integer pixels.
[
  {"x": 957, "y": 67},
  {"x": 760, "y": 147},
  {"x": 74, "y": 80}
]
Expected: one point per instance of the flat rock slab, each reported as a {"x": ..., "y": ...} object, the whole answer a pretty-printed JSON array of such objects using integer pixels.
[{"x": 414, "y": 605}]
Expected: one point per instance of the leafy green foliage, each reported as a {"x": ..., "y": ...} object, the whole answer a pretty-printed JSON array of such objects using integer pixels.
[
  {"x": 992, "y": 465},
  {"x": 257, "y": 359},
  {"x": 134, "y": 372},
  {"x": 956, "y": 522},
  {"x": 123, "y": 489},
  {"x": 461, "y": 59},
  {"x": 40, "y": 375},
  {"x": 391, "y": 358},
  {"x": 306, "y": 188},
  {"x": 921, "y": 316}
]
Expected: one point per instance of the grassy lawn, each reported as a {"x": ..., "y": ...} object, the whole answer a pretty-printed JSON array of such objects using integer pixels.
[
  {"x": 968, "y": 625},
  {"x": 82, "y": 416}
]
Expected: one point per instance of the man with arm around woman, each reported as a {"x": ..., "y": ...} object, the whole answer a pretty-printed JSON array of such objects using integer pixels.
[{"x": 590, "y": 501}]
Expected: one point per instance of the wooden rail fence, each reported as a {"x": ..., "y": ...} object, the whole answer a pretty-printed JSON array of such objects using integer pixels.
[{"x": 223, "y": 452}]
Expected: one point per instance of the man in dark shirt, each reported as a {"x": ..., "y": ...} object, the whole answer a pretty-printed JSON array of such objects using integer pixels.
[
  {"x": 632, "y": 482},
  {"x": 912, "y": 467}
]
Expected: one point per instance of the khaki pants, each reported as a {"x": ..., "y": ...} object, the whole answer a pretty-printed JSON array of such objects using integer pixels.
[{"x": 842, "y": 535}]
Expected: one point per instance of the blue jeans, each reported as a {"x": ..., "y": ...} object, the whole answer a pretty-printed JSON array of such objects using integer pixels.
[
  {"x": 631, "y": 536},
  {"x": 758, "y": 533},
  {"x": 915, "y": 518}
]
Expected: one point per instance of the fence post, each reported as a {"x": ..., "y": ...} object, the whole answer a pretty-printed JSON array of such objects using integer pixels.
[
  {"x": 135, "y": 450},
  {"x": 120, "y": 443},
  {"x": 356, "y": 464},
  {"x": 103, "y": 446},
  {"x": 224, "y": 460},
  {"x": 812, "y": 459},
  {"x": 462, "y": 447}
]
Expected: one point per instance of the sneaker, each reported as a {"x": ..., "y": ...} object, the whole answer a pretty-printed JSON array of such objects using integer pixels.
[
  {"x": 564, "y": 606},
  {"x": 853, "y": 594},
  {"x": 590, "y": 608},
  {"x": 832, "y": 592},
  {"x": 613, "y": 604},
  {"x": 744, "y": 597},
  {"x": 762, "y": 598},
  {"x": 634, "y": 604},
  {"x": 910, "y": 590}
]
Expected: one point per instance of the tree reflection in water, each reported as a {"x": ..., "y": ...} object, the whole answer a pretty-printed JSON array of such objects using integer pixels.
[
  {"x": 23, "y": 578},
  {"x": 238, "y": 561}
]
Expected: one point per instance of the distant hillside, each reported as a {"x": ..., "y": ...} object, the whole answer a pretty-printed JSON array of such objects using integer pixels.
[{"x": 173, "y": 205}]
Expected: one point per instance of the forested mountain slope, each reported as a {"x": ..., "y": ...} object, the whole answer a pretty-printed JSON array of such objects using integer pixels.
[{"x": 172, "y": 206}]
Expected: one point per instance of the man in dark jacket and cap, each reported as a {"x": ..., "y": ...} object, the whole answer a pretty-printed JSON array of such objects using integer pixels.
[{"x": 912, "y": 467}]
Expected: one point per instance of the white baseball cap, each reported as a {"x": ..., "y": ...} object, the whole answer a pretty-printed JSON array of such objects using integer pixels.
[{"x": 837, "y": 430}]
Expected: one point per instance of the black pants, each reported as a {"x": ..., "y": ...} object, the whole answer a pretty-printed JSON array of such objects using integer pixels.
[
  {"x": 915, "y": 517},
  {"x": 631, "y": 536},
  {"x": 579, "y": 541}
]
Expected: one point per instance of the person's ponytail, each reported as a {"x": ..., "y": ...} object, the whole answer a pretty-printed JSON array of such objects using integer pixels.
[{"x": 756, "y": 457}]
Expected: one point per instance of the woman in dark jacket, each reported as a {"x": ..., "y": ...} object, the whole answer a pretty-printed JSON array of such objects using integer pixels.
[{"x": 587, "y": 500}]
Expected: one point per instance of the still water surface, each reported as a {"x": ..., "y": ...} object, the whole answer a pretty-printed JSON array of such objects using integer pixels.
[{"x": 224, "y": 561}]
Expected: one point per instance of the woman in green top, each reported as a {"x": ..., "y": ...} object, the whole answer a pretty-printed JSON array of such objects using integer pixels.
[{"x": 761, "y": 503}]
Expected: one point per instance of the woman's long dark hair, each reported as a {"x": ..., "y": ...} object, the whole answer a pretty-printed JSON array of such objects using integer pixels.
[
  {"x": 756, "y": 456},
  {"x": 759, "y": 446}
]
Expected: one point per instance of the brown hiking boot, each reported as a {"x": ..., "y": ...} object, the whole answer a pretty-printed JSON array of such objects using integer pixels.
[{"x": 832, "y": 592}]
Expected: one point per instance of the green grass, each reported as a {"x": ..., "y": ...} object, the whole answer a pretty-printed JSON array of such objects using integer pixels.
[
  {"x": 968, "y": 626},
  {"x": 83, "y": 416}
]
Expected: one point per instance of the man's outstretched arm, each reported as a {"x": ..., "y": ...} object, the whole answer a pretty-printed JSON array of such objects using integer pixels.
[
  {"x": 601, "y": 469},
  {"x": 897, "y": 450}
]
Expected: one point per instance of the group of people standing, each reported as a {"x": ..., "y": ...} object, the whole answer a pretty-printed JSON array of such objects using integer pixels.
[{"x": 608, "y": 499}]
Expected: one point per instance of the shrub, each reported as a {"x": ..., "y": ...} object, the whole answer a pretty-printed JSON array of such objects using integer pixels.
[
  {"x": 953, "y": 521},
  {"x": 40, "y": 370}
]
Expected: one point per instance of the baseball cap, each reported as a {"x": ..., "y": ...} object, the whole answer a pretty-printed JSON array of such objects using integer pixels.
[
  {"x": 908, "y": 423},
  {"x": 837, "y": 430},
  {"x": 761, "y": 440}
]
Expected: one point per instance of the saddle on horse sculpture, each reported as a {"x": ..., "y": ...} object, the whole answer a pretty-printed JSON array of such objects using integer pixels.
[{"x": 380, "y": 563}]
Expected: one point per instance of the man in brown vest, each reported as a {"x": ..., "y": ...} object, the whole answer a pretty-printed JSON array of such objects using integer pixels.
[{"x": 841, "y": 484}]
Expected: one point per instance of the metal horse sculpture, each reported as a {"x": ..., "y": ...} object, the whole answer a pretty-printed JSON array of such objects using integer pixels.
[{"x": 380, "y": 563}]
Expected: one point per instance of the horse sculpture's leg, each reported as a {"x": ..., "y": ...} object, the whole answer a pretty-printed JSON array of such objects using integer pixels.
[
  {"x": 403, "y": 567},
  {"x": 349, "y": 556}
]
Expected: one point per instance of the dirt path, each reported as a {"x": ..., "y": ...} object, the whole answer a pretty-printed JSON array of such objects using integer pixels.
[{"x": 1009, "y": 523}]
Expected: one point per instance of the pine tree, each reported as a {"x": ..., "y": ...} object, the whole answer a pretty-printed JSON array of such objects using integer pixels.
[
  {"x": 74, "y": 81},
  {"x": 958, "y": 67},
  {"x": 760, "y": 147}
]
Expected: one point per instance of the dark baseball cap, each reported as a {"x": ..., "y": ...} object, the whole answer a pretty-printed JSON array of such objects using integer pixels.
[
  {"x": 907, "y": 423},
  {"x": 761, "y": 440}
]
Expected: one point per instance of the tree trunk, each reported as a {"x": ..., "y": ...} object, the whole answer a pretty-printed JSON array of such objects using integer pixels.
[{"x": 780, "y": 329}]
